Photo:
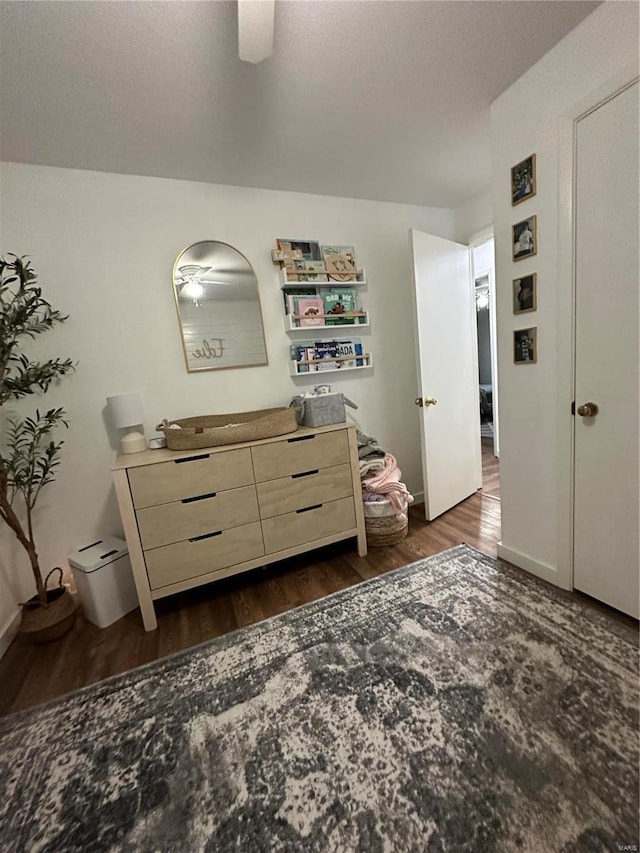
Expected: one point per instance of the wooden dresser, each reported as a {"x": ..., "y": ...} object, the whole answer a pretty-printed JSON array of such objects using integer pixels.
[{"x": 191, "y": 517}]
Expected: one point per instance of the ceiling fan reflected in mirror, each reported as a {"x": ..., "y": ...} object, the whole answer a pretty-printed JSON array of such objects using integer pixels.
[
  {"x": 255, "y": 29},
  {"x": 191, "y": 281}
]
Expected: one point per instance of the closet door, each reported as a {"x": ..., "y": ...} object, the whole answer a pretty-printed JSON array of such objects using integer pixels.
[{"x": 606, "y": 484}]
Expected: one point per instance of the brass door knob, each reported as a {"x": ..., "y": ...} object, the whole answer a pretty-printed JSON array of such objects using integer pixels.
[
  {"x": 418, "y": 401},
  {"x": 430, "y": 401},
  {"x": 588, "y": 410}
]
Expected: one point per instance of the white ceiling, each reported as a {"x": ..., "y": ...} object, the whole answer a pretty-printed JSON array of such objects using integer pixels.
[{"x": 375, "y": 99}]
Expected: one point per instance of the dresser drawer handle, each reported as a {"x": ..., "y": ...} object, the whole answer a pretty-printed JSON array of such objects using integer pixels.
[
  {"x": 300, "y": 438},
  {"x": 206, "y": 536},
  {"x": 198, "y": 498},
  {"x": 304, "y": 474},
  {"x": 309, "y": 508},
  {"x": 192, "y": 458}
]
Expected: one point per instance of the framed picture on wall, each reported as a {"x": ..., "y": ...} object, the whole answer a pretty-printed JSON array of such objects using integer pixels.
[
  {"x": 525, "y": 345},
  {"x": 525, "y": 238},
  {"x": 523, "y": 180},
  {"x": 525, "y": 297}
]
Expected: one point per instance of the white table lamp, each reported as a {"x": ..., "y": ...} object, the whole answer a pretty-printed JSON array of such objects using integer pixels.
[{"x": 126, "y": 413}]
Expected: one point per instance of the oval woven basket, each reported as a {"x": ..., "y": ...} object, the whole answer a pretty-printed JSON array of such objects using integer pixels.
[
  {"x": 215, "y": 430},
  {"x": 386, "y": 530}
]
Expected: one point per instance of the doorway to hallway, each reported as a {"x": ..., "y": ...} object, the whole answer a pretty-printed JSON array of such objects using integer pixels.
[{"x": 483, "y": 271}]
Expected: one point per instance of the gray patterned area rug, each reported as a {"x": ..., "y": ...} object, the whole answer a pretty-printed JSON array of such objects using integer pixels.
[{"x": 455, "y": 704}]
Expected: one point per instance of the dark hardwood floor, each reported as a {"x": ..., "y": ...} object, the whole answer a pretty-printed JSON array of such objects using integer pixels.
[
  {"x": 490, "y": 469},
  {"x": 31, "y": 674}
]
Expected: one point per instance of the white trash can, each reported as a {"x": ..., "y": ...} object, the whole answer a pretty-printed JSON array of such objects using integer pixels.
[{"x": 103, "y": 576}]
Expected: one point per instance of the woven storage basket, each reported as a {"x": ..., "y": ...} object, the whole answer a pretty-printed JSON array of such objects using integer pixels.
[
  {"x": 44, "y": 624},
  {"x": 215, "y": 430},
  {"x": 386, "y": 530}
]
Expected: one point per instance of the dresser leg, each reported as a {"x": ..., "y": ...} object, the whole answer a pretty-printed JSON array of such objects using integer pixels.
[
  {"x": 148, "y": 613},
  {"x": 362, "y": 545}
]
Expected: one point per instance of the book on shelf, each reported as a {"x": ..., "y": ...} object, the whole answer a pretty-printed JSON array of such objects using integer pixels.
[
  {"x": 300, "y": 270},
  {"x": 350, "y": 351},
  {"x": 292, "y": 293},
  {"x": 304, "y": 354},
  {"x": 309, "y": 310},
  {"x": 316, "y": 271},
  {"x": 311, "y": 355},
  {"x": 325, "y": 353},
  {"x": 337, "y": 303},
  {"x": 299, "y": 355},
  {"x": 328, "y": 355},
  {"x": 347, "y": 352}
]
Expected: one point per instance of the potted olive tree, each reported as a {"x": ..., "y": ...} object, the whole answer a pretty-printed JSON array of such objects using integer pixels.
[{"x": 28, "y": 453}]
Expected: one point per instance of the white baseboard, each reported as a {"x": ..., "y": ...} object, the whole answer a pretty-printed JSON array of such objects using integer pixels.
[
  {"x": 534, "y": 567},
  {"x": 8, "y": 632},
  {"x": 418, "y": 497}
]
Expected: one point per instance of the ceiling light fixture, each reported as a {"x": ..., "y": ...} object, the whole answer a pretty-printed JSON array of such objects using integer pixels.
[
  {"x": 482, "y": 298},
  {"x": 193, "y": 290},
  {"x": 255, "y": 29}
]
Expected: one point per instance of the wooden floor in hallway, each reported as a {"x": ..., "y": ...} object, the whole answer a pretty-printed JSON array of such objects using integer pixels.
[{"x": 30, "y": 675}]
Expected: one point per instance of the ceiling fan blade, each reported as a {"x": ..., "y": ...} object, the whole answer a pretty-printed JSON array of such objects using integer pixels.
[{"x": 255, "y": 29}]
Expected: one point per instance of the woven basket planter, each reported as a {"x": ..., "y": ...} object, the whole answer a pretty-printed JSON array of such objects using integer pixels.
[
  {"x": 216, "y": 430},
  {"x": 44, "y": 624},
  {"x": 386, "y": 530}
]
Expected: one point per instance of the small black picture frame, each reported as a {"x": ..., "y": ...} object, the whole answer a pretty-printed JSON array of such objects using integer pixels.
[
  {"x": 525, "y": 238},
  {"x": 525, "y": 293},
  {"x": 525, "y": 345},
  {"x": 523, "y": 180}
]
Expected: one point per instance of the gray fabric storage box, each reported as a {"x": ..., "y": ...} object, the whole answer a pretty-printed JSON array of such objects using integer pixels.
[{"x": 323, "y": 410}]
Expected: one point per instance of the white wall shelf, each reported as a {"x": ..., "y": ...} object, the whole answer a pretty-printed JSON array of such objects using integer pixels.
[
  {"x": 315, "y": 369},
  {"x": 307, "y": 302},
  {"x": 359, "y": 280},
  {"x": 292, "y": 323}
]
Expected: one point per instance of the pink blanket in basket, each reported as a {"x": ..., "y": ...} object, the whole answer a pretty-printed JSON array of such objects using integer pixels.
[{"x": 387, "y": 482}]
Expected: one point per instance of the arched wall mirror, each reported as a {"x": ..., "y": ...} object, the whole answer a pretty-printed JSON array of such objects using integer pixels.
[{"x": 216, "y": 292}]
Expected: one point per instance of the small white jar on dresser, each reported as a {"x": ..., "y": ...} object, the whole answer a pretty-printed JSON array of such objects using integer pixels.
[{"x": 192, "y": 517}]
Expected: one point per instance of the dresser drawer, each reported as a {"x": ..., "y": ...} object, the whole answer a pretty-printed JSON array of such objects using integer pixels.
[
  {"x": 298, "y": 454},
  {"x": 276, "y": 497},
  {"x": 296, "y": 528},
  {"x": 190, "y": 476},
  {"x": 188, "y": 559},
  {"x": 161, "y": 525}
]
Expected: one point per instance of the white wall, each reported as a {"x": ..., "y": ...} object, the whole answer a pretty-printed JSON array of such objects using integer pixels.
[
  {"x": 104, "y": 246},
  {"x": 475, "y": 214},
  {"x": 534, "y": 116}
]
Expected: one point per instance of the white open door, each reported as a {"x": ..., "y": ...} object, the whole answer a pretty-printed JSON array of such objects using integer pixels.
[
  {"x": 606, "y": 480},
  {"x": 447, "y": 372}
]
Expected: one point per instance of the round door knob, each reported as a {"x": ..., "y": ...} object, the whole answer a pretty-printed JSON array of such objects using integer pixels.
[
  {"x": 418, "y": 401},
  {"x": 430, "y": 401},
  {"x": 588, "y": 410}
]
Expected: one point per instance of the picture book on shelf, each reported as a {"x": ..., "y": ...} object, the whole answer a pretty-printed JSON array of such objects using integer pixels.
[
  {"x": 337, "y": 303},
  {"x": 310, "y": 356},
  {"x": 325, "y": 353},
  {"x": 291, "y": 294},
  {"x": 328, "y": 355},
  {"x": 316, "y": 271},
  {"x": 309, "y": 309},
  {"x": 299, "y": 354},
  {"x": 303, "y": 354},
  {"x": 347, "y": 251},
  {"x": 348, "y": 348},
  {"x": 300, "y": 270}
]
